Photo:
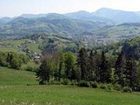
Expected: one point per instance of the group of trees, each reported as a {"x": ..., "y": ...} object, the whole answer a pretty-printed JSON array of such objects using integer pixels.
[
  {"x": 57, "y": 66},
  {"x": 91, "y": 65},
  {"x": 97, "y": 67},
  {"x": 12, "y": 59},
  {"x": 94, "y": 66},
  {"x": 126, "y": 71}
]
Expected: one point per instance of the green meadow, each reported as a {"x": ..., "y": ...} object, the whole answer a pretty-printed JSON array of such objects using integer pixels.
[{"x": 21, "y": 88}]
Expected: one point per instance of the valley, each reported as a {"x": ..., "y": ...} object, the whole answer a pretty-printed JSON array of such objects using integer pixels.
[{"x": 75, "y": 58}]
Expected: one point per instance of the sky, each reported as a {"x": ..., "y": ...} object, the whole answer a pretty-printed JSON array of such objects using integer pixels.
[{"x": 13, "y": 8}]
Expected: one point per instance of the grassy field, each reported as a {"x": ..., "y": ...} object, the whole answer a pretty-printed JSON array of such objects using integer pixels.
[
  {"x": 13, "y": 45},
  {"x": 15, "y": 91},
  {"x": 16, "y": 77}
]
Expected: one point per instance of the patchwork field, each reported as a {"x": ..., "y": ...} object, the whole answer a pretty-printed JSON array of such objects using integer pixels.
[{"x": 21, "y": 88}]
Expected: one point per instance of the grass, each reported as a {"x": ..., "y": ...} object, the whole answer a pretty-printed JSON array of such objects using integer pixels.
[
  {"x": 34, "y": 47},
  {"x": 16, "y": 77},
  {"x": 13, "y": 45},
  {"x": 14, "y": 91},
  {"x": 64, "y": 95}
]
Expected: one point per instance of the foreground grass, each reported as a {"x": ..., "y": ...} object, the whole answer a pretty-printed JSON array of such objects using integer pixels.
[
  {"x": 63, "y": 95},
  {"x": 14, "y": 91}
]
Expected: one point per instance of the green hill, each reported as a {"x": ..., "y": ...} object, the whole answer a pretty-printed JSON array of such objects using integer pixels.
[
  {"x": 52, "y": 23},
  {"x": 16, "y": 77},
  {"x": 126, "y": 31}
]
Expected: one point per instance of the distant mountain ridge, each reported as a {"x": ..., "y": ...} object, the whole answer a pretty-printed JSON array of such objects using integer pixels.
[
  {"x": 118, "y": 16},
  {"x": 104, "y": 22},
  {"x": 101, "y": 15},
  {"x": 50, "y": 24}
]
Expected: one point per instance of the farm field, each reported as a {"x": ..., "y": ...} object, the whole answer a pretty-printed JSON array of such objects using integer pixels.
[{"x": 21, "y": 88}]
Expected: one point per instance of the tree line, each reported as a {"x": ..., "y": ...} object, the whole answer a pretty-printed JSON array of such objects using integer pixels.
[
  {"x": 90, "y": 67},
  {"x": 12, "y": 59}
]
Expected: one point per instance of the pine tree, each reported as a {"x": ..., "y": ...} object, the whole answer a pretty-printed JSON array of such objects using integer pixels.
[
  {"x": 120, "y": 69},
  {"x": 104, "y": 70},
  {"x": 83, "y": 63},
  {"x": 130, "y": 73},
  {"x": 43, "y": 73},
  {"x": 92, "y": 66}
]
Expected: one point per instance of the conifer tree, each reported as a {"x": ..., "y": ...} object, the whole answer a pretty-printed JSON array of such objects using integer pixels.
[
  {"x": 83, "y": 63},
  {"x": 120, "y": 69},
  {"x": 105, "y": 70},
  {"x": 130, "y": 73},
  {"x": 92, "y": 66},
  {"x": 43, "y": 73}
]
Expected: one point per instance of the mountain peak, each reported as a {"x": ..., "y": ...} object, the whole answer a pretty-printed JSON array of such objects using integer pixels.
[
  {"x": 82, "y": 12},
  {"x": 105, "y": 10}
]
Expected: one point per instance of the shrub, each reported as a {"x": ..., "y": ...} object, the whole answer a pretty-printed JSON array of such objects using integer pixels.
[
  {"x": 117, "y": 87},
  {"x": 127, "y": 89},
  {"x": 109, "y": 87},
  {"x": 137, "y": 88},
  {"x": 84, "y": 83},
  {"x": 74, "y": 82},
  {"x": 93, "y": 84},
  {"x": 31, "y": 66},
  {"x": 42, "y": 83},
  {"x": 102, "y": 86},
  {"x": 52, "y": 82},
  {"x": 66, "y": 82}
]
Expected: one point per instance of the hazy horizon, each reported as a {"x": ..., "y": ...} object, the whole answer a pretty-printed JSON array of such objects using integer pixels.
[{"x": 12, "y": 8}]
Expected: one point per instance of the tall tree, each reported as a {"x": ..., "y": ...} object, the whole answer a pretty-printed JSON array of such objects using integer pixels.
[
  {"x": 83, "y": 63},
  {"x": 105, "y": 70},
  {"x": 43, "y": 73},
  {"x": 120, "y": 69},
  {"x": 70, "y": 61},
  {"x": 61, "y": 64},
  {"x": 131, "y": 72},
  {"x": 92, "y": 67}
]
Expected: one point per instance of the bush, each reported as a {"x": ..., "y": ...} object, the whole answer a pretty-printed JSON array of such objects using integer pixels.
[
  {"x": 42, "y": 83},
  {"x": 109, "y": 87},
  {"x": 84, "y": 83},
  {"x": 52, "y": 82},
  {"x": 30, "y": 66},
  {"x": 74, "y": 82},
  {"x": 137, "y": 88},
  {"x": 93, "y": 84},
  {"x": 102, "y": 86},
  {"x": 66, "y": 82},
  {"x": 117, "y": 87},
  {"x": 127, "y": 89}
]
